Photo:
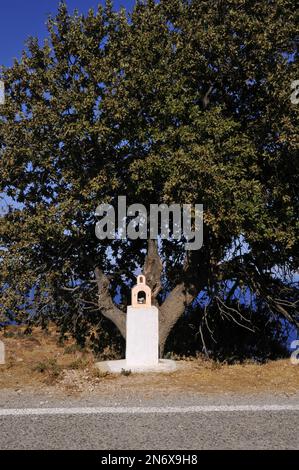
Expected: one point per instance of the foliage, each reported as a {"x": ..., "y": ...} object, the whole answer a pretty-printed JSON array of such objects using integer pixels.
[{"x": 181, "y": 101}]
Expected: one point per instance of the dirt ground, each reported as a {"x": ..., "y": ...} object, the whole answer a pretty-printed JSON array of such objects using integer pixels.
[{"x": 38, "y": 362}]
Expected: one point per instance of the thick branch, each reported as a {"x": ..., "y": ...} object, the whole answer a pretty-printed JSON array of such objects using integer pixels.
[
  {"x": 153, "y": 269},
  {"x": 106, "y": 304},
  {"x": 171, "y": 310},
  {"x": 193, "y": 280}
]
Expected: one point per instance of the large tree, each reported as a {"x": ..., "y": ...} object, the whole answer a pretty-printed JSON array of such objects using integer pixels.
[{"x": 179, "y": 102}]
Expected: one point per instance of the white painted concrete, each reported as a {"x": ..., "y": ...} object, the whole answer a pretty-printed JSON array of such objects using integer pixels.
[
  {"x": 141, "y": 287},
  {"x": 2, "y": 353},
  {"x": 146, "y": 410},
  {"x": 142, "y": 338},
  {"x": 115, "y": 367}
]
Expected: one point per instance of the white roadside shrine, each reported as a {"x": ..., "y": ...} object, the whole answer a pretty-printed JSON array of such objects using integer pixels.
[{"x": 142, "y": 336}]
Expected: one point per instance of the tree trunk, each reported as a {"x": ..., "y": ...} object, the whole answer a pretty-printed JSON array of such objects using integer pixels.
[
  {"x": 106, "y": 304},
  {"x": 170, "y": 311}
]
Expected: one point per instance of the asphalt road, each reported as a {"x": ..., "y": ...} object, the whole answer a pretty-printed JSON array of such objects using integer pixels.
[{"x": 198, "y": 423}]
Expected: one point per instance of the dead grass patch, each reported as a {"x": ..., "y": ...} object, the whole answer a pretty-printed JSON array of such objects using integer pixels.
[{"x": 38, "y": 360}]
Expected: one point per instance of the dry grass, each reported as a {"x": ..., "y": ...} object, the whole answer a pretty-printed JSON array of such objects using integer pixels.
[{"x": 38, "y": 361}]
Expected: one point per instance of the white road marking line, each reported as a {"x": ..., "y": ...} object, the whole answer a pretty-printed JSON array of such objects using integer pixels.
[{"x": 145, "y": 410}]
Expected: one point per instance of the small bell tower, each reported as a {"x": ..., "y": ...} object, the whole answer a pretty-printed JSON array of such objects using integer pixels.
[{"x": 141, "y": 294}]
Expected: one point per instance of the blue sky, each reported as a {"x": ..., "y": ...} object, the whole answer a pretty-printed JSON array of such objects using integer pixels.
[{"x": 20, "y": 19}]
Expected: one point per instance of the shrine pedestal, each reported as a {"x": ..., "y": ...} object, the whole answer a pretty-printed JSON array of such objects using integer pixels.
[
  {"x": 117, "y": 367},
  {"x": 142, "y": 341}
]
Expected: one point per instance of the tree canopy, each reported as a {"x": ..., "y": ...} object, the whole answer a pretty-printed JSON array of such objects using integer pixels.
[{"x": 180, "y": 101}]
